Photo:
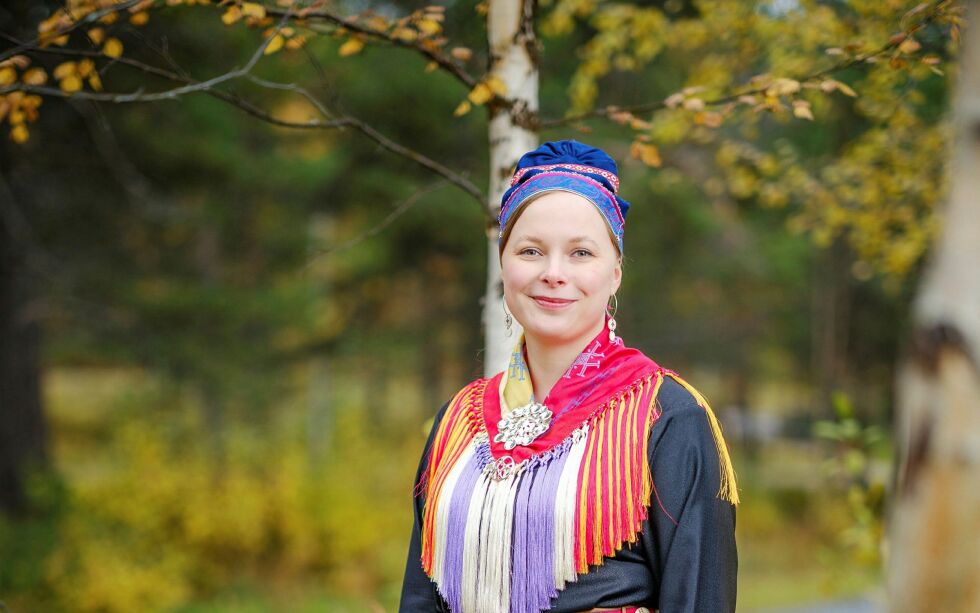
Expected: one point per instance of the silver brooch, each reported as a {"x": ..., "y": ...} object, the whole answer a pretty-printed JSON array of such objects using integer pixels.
[
  {"x": 503, "y": 468},
  {"x": 523, "y": 425}
]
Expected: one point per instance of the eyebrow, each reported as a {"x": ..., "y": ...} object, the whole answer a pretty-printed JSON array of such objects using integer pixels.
[{"x": 574, "y": 239}]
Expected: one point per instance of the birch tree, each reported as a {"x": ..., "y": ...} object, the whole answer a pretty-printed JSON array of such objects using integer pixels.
[{"x": 935, "y": 527}]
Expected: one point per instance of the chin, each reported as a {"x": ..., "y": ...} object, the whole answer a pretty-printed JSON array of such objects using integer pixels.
[{"x": 553, "y": 330}]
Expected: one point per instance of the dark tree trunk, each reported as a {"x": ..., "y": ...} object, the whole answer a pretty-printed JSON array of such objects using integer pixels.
[{"x": 23, "y": 432}]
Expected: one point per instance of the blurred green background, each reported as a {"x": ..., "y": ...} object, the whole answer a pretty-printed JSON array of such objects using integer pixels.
[{"x": 238, "y": 353}]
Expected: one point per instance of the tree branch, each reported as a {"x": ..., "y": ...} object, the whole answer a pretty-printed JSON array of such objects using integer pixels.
[
  {"x": 87, "y": 19},
  {"x": 603, "y": 113},
  {"x": 208, "y": 87},
  {"x": 350, "y": 24},
  {"x": 399, "y": 209}
]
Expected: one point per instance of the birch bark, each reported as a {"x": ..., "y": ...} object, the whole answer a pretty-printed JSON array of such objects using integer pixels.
[
  {"x": 514, "y": 60},
  {"x": 935, "y": 527}
]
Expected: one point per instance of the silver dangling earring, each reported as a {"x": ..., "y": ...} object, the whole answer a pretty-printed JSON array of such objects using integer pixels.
[
  {"x": 611, "y": 324},
  {"x": 508, "y": 319}
]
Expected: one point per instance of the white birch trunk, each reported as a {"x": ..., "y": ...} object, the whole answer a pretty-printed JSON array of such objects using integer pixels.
[
  {"x": 935, "y": 527},
  {"x": 511, "y": 39}
]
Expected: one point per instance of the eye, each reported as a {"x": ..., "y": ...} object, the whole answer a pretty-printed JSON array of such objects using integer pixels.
[
  {"x": 585, "y": 252},
  {"x": 527, "y": 251}
]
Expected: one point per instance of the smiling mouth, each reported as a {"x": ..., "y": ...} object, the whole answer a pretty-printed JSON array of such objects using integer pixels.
[{"x": 551, "y": 303}]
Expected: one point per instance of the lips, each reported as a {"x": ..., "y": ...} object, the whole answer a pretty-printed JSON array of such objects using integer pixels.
[{"x": 551, "y": 303}]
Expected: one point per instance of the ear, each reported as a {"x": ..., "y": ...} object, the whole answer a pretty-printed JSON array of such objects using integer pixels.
[{"x": 617, "y": 275}]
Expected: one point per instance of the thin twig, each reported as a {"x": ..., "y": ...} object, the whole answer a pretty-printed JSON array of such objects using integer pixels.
[{"x": 399, "y": 209}]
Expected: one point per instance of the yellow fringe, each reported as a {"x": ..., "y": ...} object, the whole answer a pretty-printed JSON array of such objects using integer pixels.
[{"x": 728, "y": 489}]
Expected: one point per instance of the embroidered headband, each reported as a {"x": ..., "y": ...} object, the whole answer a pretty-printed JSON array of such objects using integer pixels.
[{"x": 569, "y": 166}]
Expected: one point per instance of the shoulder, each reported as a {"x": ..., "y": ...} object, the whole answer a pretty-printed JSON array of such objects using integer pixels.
[
  {"x": 687, "y": 432},
  {"x": 674, "y": 399},
  {"x": 682, "y": 423},
  {"x": 467, "y": 394}
]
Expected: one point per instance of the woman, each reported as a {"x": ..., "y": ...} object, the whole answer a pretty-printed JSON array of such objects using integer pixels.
[{"x": 586, "y": 477}]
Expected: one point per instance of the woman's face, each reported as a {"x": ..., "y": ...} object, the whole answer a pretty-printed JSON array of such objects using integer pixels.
[{"x": 559, "y": 269}]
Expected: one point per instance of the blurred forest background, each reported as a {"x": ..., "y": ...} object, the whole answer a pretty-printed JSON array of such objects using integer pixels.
[{"x": 238, "y": 334}]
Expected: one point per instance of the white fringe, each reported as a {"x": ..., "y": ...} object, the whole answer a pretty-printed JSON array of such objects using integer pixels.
[
  {"x": 565, "y": 503},
  {"x": 486, "y": 550},
  {"x": 471, "y": 545}
]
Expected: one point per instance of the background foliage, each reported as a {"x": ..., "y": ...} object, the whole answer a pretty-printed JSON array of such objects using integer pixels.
[{"x": 246, "y": 328}]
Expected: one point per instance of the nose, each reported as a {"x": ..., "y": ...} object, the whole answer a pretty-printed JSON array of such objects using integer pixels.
[{"x": 554, "y": 272}]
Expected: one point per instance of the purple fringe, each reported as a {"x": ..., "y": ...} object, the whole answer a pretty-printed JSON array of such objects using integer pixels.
[
  {"x": 452, "y": 579},
  {"x": 532, "y": 556}
]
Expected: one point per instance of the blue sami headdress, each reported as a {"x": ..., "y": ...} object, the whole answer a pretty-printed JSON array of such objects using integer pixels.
[{"x": 570, "y": 166}]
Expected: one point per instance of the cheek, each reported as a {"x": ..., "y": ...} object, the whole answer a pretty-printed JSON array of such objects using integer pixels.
[
  {"x": 597, "y": 281},
  {"x": 514, "y": 275}
]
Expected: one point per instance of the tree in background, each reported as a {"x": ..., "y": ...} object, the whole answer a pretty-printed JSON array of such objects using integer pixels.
[{"x": 936, "y": 520}]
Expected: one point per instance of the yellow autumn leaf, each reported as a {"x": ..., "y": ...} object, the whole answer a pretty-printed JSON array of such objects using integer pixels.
[
  {"x": 85, "y": 67},
  {"x": 846, "y": 90},
  {"x": 830, "y": 85},
  {"x": 496, "y": 85},
  {"x": 405, "y": 34},
  {"x": 480, "y": 94},
  {"x": 646, "y": 153},
  {"x": 296, "y": 42},
  {"x": 801, "y": 109},
  {"x": 431, "y": 66},
  {"x": 96, "y": 35},
  {"x": 709, "y": 119},
  {"x": 65, "y": 69},
  {"x": 377, "y": 22},
  {"x": 461, "y": 53},
  {"x": 19, "y": 134},
  {"x": 20, "y": 61},
  {"x": 140, "y": 19},
  {"x": 783, "y": 87},
  {"x": 95, "y": 82},
  {"x": 352, "y": 46},
  {"x": 463, "y": 108},
  {"x": 909, "y": 45},
  {"x": 253, "y": 9},
  {"x": 674, "y": 100},
  {"x": 8, "y": 76},
  {"x": 428, "y": 27},
  {"x": 694, "y": 104},
  {"x": 34, "y": 76},
  {"x": 232, "y": 15},
  {"x": 71, "y": 83},
  {"x": 275, "y": 44},
  {"x": 113, "y": 47}
]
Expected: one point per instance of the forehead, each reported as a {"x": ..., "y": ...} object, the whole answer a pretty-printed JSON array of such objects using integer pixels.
[{"x": 560, "y": 213}]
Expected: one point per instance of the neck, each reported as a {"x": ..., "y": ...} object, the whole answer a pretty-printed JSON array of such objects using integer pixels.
[{"x": 548, "y": 361}]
